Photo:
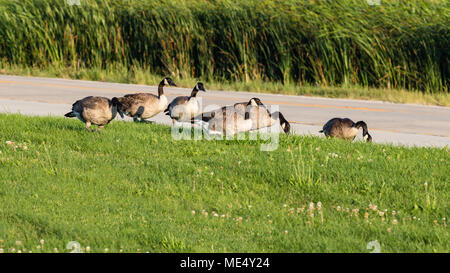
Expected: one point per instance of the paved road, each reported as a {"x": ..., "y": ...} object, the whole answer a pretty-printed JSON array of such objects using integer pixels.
[{"x": 403, "y": 124}]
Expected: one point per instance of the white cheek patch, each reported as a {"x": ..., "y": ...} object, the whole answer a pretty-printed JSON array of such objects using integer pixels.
[
  {"x": 166, "y": 82},
  {"x": 253, "y": 103},
  {"x": 283, "y": 125},
  {"x": 196, "y": 87}
]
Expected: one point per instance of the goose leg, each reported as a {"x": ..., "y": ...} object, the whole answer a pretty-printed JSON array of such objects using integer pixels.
[
  {"x": 100, "y": 127},
  {"x": 88, "y": 126}
]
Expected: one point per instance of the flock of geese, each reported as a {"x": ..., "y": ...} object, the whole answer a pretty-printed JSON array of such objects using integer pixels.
[{"x": 228, "y": 120}]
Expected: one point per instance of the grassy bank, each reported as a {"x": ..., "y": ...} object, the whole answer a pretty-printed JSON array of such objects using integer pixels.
[
  {"x": 143, "y": 76},
  {"x": 398, "y": 44},
  {"x": 133, "y": 188}
]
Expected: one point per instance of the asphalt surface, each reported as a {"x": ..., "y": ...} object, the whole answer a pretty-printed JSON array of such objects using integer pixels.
[{"x": 399, "y": 124}]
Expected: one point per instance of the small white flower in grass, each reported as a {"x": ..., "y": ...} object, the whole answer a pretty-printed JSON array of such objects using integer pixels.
[
  {"x": 18, "y": 243},
  {"x": 285, "y": 232},
  {"x": 25, "y": 148},
  {"x": 222, "y": 216},
  {"x": 394, "y": 221},
  {"x": 9, "y": 142},
  {"x": 1, "y": 250},
  {"x": 19, "y": 251},
  {"x": 284, "y": 205},
  {"x": 38, "y": 247},
  {"x": 193, "y": 211},
  {"x": 425, "y": 184},
  {"x": 55, "y": 250},
  {"x": 88, "y": 249},
  {"x": 13, "y": 250},
  {"x": 42, "y": 241},
  {"x": 319, "y": 205},
  {"x": 381, "y": 213},
  {"x": 106, "y": 250}
]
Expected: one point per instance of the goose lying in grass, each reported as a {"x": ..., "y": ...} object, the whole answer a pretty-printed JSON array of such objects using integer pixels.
[
  {"x": 345, "y": 128},
  {"x": 183, "y": 108},
  {"x": 95, "y": 111},
  {"x": 145, "y": 105},
  {"x": 259, "y": 114}
]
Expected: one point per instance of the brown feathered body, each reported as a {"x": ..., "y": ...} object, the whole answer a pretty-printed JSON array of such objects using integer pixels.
[
  {"x": 344, "y": 128},
  {"x": 143, "y": 105},
  {"x": 94, "y": 110}
]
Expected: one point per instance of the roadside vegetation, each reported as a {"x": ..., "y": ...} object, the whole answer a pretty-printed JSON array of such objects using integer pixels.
[
  {"x": 133, "y": 188},
  {"x": 396, "y": 51}
]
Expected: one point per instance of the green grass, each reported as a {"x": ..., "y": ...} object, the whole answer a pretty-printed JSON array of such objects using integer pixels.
[
  {"x": 143, "y": 76},
  {"x": 133, "y": 188},
  {"x": 395, "y": 45}
]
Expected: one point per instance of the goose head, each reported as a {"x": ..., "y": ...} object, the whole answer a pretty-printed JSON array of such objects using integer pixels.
[
  {"x": 198, "y": 87},
  {"x": 117, "y": 105},
  {"x": 167, "y": 81},
  {"x": 363, "y": 125},
  {"x": 285, "y": 125},
  {"x": 255, "y": 102},
  {"x": 368, "y": 137}
]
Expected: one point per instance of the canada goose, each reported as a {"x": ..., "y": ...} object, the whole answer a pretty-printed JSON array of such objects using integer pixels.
[
  {"x": 345, "y": 128},
  {"x": 183, "y": 108},
  {"x": 259, "y": 114},
  {"x": 95, "y": 110},
  {"x": 229, "y": 121},
  {"x": 145, "y": 105}
]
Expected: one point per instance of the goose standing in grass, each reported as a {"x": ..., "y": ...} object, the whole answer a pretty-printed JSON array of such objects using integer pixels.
[
  {"x": 145, "y": 105},
  {"x": 259, "y": 114},
  {"x": 229, "y": 121},
  {"x": 95, "y": 111},
  {"x": 345, "y": 128},
  {"x": 183, "y": 108}
]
